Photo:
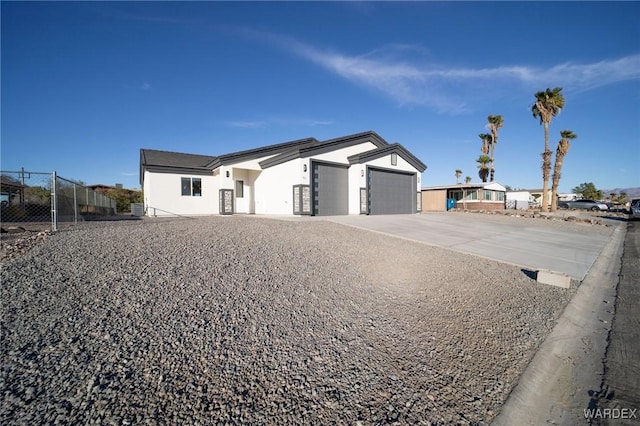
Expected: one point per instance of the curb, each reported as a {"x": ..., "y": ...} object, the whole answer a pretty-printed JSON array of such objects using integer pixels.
[{"x": 557, "y": 384}]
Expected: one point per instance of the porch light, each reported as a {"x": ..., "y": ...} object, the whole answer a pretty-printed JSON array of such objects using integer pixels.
[
  {"x": 362, "y": 173},
  {"x": 304, "y": 167},
  {"x": 227, "y": 173}
]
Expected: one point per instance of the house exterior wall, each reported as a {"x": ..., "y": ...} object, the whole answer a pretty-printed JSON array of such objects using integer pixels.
[
  {"x": 274, "y": 187},
  {"x": 163, "y": 195},
  {"x": 434, "y": 200},
  {"x": 340, "y": 155},
  {"x": 357, "y": 180},
  {"x": 480, "y": 205},
  {"x": 519, "y": 196}
]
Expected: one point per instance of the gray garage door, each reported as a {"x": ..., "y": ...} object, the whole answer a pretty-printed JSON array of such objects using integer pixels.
[
  {"x": 391, "y": 192},
  {"x": 330, "y": 189}
]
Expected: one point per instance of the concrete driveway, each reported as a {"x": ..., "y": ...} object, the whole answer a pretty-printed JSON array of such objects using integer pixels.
[{"x": 531, "y": 243}]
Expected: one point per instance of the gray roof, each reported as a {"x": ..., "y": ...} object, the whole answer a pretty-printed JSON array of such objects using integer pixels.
[
  {"x": 252, "y": 154},
  {"x": 173, "y": 162},
  {"x": 324, "y": 147},
  {"x": 394, "y": 148}
]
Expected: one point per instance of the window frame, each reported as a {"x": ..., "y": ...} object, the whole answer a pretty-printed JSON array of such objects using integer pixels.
[
  {"x": 191, "y": 187},
  {"x": 240, "y": 189}
]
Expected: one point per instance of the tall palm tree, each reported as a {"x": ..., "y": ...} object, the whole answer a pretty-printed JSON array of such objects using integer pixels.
[
  {"x": 458, "y": 174},
  {"x": 467, "y": 179},
  {"x": 483, "y": 167},
  {"x": 495, "y": 122},
  {"x": 486, "y": 143},
  {"x": 548, "y": 104},
  {"x": 561, "y": 150}
]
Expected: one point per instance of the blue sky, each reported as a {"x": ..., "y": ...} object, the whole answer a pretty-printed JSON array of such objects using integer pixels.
[{"x": 85, "y": 85}]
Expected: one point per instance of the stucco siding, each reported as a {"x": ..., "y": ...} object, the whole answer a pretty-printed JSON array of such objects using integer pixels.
[
  {"x": 163, "y": 195},
  {"x": 340, "y": 155},
  {"x": 357, "y": 180},
  {"x": 274, "y": 187}
]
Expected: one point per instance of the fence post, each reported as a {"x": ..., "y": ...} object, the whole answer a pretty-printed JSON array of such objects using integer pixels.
[
  {"x": 54, "y": 204},
  {"x": 75, "y": 205}
]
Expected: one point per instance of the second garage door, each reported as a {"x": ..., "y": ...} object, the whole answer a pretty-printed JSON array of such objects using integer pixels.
[
  {"x": 391, "y": 192},
  {"x": 330, "y": 189}
]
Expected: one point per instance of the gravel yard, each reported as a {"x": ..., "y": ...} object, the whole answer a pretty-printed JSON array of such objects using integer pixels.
[{"x": 247, "y": 320}]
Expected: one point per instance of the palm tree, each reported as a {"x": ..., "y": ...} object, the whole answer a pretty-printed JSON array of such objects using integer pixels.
[
  {"x": 486, "y": 143},
  {"x": 483, "y": 168},
  {"x": 561, "y": 150},
  {"x": 467, "y": 179},
  {"x": 495, "y": 122},
  {"x": 458, "y": 174},
  {"x": 548, "y": 104}
]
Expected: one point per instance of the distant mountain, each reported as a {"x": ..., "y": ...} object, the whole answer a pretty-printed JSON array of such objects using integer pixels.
[{"x": 631, "y": 192}]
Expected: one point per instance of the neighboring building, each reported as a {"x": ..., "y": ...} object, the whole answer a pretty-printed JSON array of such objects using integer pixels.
[
  {"x": 569, "y": 197},
  {"x": 469, "y": 196},
  {"x": 520, "y": 200},
  {"x": 537, "y": 196},
  {"x": 355, "y": 174}
]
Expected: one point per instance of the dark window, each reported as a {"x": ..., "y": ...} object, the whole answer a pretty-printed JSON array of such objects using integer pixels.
[
  {"x": 456, "y": 195},
  {"x": 191, "y": 186},
  {"x": 196, "y": 184},
  {"x": 186, "y": 186},
  {"x": 239, "y": 188}
]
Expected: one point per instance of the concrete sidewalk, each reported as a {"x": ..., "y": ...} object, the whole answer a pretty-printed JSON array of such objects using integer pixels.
[{"x": 532, "y": 244}]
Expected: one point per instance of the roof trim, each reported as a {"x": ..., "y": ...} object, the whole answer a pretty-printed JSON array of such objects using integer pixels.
[
  {"x": 172, "y": 162},
  {"x": 394, "y": 148},
  {"x": 324, "y": 147},
  {"x": 461, "y": 186},
  {"x": 252, "y": 154}
]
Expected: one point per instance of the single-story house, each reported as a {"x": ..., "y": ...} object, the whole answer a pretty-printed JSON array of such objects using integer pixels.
[
  {"x": 468, "y": 196},
  {"x": 355, "y": 174}
]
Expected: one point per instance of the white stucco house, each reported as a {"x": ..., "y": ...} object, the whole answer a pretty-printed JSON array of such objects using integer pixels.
[{"x": 355, "y": 174}]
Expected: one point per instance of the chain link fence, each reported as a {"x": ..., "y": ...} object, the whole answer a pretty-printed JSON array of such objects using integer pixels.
[{"x": 47, "y": 201}]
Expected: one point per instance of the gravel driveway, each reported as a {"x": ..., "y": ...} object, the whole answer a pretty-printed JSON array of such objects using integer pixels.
[{"x": 246, "y": 320}]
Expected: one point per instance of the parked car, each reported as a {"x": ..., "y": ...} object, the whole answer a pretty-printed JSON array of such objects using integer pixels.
[
  {"x": 583, "y": 204},
  {"x": 4, "y": 199},
  {"x": 634, "y": 209}
]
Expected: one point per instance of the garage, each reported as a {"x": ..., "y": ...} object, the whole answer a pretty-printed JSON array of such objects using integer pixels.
[
  {"x": 391, "y": 192},
  {"x": 330, "y": 184}
]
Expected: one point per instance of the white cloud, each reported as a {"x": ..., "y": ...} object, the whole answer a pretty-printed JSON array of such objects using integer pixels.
[
  {"x": 247, "y": 124},
  {"x": 403, "y": 74},
  {"x": 145, "y": 86}
]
